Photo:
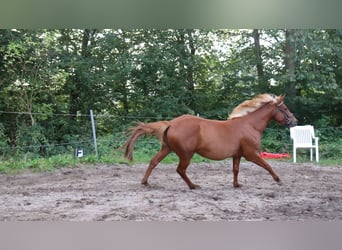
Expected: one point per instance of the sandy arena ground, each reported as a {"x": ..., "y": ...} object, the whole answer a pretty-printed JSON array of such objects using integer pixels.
[{"x": 114, "y": 193}]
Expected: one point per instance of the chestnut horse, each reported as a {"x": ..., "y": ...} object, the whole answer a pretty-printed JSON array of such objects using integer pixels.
[{"x": 238, "y": 136}]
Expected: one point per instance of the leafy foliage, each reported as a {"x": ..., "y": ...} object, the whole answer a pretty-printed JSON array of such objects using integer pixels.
[{"x": 50, "y": 79}]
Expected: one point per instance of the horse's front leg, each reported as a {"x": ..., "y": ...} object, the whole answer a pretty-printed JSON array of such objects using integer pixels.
[
  {"x": 261, "y": 162},
  {"x": 236, "y": 166}
]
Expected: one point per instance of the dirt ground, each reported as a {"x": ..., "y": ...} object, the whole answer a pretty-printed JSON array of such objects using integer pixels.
[{"x": 114, "y": 193}]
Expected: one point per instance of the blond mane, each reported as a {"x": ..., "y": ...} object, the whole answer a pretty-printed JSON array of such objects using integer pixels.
[{"x": 252, "y": 105}]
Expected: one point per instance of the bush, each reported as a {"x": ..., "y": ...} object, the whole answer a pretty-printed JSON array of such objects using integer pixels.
[
  {"x": 4, "y": 147},
  {"x": 279, "y": 141},
  {"x": 30, "y": 139},
  {"x": 276, "y": 140},
  {"x": 332, "y": 150}
]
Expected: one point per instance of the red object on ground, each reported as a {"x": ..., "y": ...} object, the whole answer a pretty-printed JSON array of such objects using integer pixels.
[{"x": 267, "y": 155}]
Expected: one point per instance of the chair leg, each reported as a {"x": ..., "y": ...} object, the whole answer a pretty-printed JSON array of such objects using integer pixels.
[
  {"x": 294, "y": 154},
  {"x": 317, "y": 156},
  {"x": 310, "y": 154}
]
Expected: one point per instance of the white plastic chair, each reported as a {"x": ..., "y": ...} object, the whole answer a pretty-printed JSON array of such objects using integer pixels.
[{"x": 303, "y": 137}]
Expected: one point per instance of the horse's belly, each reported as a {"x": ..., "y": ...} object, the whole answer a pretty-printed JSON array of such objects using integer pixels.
[{"x": 217, "y": 151}]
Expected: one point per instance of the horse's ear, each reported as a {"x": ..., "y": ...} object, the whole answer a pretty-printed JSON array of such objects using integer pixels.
[{"x": 281, "y": 98}]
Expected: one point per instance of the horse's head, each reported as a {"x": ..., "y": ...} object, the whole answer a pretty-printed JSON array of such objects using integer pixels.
[{"x": 283, "y": 114}]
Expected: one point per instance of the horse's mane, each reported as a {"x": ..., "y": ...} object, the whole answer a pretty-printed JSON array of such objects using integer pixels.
[{"x": 252, "y": 105}]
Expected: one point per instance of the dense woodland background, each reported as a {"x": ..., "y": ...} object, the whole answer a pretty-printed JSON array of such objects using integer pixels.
[{"x": 50, "y": 79}]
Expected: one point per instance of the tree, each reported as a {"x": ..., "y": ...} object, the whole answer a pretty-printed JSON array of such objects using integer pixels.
[
  {"x": 259, "y": 63},
  {"x": 154, "y": 74},
  {"x": 290, "y": 66},
  {"x": 318, "y": 91},
  {"x": 31, "y": 82}
]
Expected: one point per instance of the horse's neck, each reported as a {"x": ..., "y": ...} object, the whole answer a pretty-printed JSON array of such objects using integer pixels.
[{"x": 260, "y": 118}]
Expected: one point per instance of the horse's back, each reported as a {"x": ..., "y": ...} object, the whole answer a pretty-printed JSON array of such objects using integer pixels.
[
  {"x": 213, "y": 139},
  {"x": 185, "y": 117},
  {"x": 184, "y": 126}
]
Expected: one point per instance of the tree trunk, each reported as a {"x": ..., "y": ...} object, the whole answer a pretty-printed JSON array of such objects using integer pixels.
[
  {"x": 186, "y": 58},
  {"x": 259, "y": 65},
  {"x": 190, "y": 70},
  {"x": 290, "y": 66},
  {"x": 187, "y": 50},
  {"x": 77, "y": 90},
  {"x": 79, "y": 87}
]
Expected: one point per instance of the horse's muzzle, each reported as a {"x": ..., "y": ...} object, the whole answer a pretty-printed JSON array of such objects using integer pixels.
[{"x": 292, "y": 123}]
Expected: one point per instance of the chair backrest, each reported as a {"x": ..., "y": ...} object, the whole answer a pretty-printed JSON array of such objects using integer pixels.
[{"x": 302, "y": 135}]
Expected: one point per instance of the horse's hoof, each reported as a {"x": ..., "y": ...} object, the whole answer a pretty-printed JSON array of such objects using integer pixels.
[
  {"x": 277, "y": 179},
  {"x": 280, "y": 183},
  {"x": 145, "y": 183},
  {"x": 195, "y": 187},
  {"x": 237, "y": 185}
]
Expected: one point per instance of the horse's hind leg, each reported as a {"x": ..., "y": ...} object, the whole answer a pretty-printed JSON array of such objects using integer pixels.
[
  {"x": 181, "y": 170},
  {"x": 163, "y": 152}
]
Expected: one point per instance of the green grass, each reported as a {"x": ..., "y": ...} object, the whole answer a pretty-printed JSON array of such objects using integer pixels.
[
  {"x": 13, "y": 166},
  {"x": 322, "y": 162},
  {"x": 145, "y": 149},
  {"x": 38, "y": 164}
]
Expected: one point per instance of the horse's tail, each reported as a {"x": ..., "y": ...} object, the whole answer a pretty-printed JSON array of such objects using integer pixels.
[{"x": 154, "y": 128}]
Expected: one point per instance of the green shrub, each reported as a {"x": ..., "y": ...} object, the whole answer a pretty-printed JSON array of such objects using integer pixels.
[
  {"x": 332, "y": 150},
  {"x": 4, "y": 147},
  {"x": 111, "y": 151},
  {"x": 276, "y": 140}
]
